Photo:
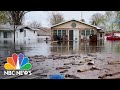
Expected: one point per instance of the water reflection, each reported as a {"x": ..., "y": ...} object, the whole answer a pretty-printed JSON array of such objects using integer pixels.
[
  {"x": 112, "y": 47},
  {"x": 74, "y": 47},
  {"x": 41, "y": 47}
]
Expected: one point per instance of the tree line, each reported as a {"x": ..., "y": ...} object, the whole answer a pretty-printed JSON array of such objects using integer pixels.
[{"x": 110, "y": 20}]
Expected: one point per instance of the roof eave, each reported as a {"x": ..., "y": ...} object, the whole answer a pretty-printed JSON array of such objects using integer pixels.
[{"x": 76, "y": 21}]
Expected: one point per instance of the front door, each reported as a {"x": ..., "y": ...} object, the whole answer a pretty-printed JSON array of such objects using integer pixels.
[
  {"x": 76, "y": 35},
  {"x": 71, "y": 35}
]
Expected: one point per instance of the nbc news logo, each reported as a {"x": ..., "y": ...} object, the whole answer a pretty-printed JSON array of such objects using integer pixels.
[{"x": 17, "y": 65}]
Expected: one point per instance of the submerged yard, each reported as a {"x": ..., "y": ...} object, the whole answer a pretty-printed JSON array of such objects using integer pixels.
[{"x": 74, "y": 60}]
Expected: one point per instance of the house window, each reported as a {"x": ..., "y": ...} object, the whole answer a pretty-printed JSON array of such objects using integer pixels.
[
  {"x": 92, "y": 31},
  {"x": 9, "y": 34},
  {"x": 101, "y": 35},
  {"x": 87, "y": 32},
  {"x": 21, "y": 30},
  {"x": 5, "y": 34},
  {"x": 5, "y": 42},
  {"x": 24, "y": 33},
  {"x": 83, "y": 32},
  {"x": 59, "y": 32},
  {"x": 73, "y": 25},
  {"x": 63, "y": 32},
  {"x": 54, "y": 32}
]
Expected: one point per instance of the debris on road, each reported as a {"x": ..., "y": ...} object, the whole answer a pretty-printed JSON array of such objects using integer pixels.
[
  {"x": 77, "y": 64},
  {"x": 114, "y": 62},
  {"x": 87, "y": 60},
  {"x": 92, "y": 68},
  {"x": 105, "y": 75},
  {"x": 83, "y": 70},
  {"x": 71, "y": 65},
  {"x": 67, "y": 63},
  {"x": 39, "y": 60},
  {"x": 72, "y": 76},
  {"x": 64, "y": 67},
  {"x": 40, "y": 74},
  {"x": 64, "y": 71},
  {"x": 35, "y": 70},
  {"x": 91, "y": 63}
]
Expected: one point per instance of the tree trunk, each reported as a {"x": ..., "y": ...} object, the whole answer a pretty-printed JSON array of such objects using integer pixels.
[{"x": 14, "y": 39}]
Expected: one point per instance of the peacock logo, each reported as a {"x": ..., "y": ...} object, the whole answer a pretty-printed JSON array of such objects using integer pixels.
[{"x": 17, "y": 62}]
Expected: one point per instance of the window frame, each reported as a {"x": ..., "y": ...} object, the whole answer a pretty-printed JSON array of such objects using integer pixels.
[
  {"x": 93, "y": 32},
  {"x": 63, "y": 33},
  {"x": 54, "y": 33},
  {"x": 83, "y": 33},
  {"x": 59, "y": 33},
  {"x": 5, "y": 34},
  {"x": 101, "y": 35},
  {"x": 87, "y": 34},
  {"x": 24, "y": 33}
]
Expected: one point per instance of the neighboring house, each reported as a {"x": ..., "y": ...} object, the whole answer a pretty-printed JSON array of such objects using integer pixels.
[
  {"x": 22, "y": 33},
  {"x": 44, "y": 31},
  {"x": 76, "y": 30}
]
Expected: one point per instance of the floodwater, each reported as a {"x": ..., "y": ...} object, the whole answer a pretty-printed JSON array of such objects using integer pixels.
[
  {"x": 102, "y": 52},
  {"x": 41, "y": 47}
]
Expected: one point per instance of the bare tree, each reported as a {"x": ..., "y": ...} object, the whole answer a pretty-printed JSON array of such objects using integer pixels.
[
  {"x": 117, "y": 18},
  {"x": 109, "y": 20},
  {"x": 55, "y": 18},
  {"x": 97, "y": 19},
  {"x": 34, "y": 24},
  {"x": 15, "y": 18}
]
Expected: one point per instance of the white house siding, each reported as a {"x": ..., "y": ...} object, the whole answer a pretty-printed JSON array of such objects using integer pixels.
[
  {"x": 99, "y": 36},
  {"x": 9, "y": 35},
  {"x": 28, "y": 36},
  {"x": 6, "y": 42},
  {"x": 19, "y": 36}
]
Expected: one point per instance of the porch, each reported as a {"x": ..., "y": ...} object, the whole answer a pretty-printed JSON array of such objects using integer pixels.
[{"x": 74, "y": 34}]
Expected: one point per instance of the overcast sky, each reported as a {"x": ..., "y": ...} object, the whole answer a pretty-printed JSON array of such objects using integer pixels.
[{"x": 42, "y": 16}]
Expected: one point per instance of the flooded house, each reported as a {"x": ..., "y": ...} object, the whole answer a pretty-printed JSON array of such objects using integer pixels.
[
  {"x": 21, "y": 33},
  {"x": 44, "y": 33},
  {"x": 24, "y": 36},
  {"x": 74, "y": 30}
]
